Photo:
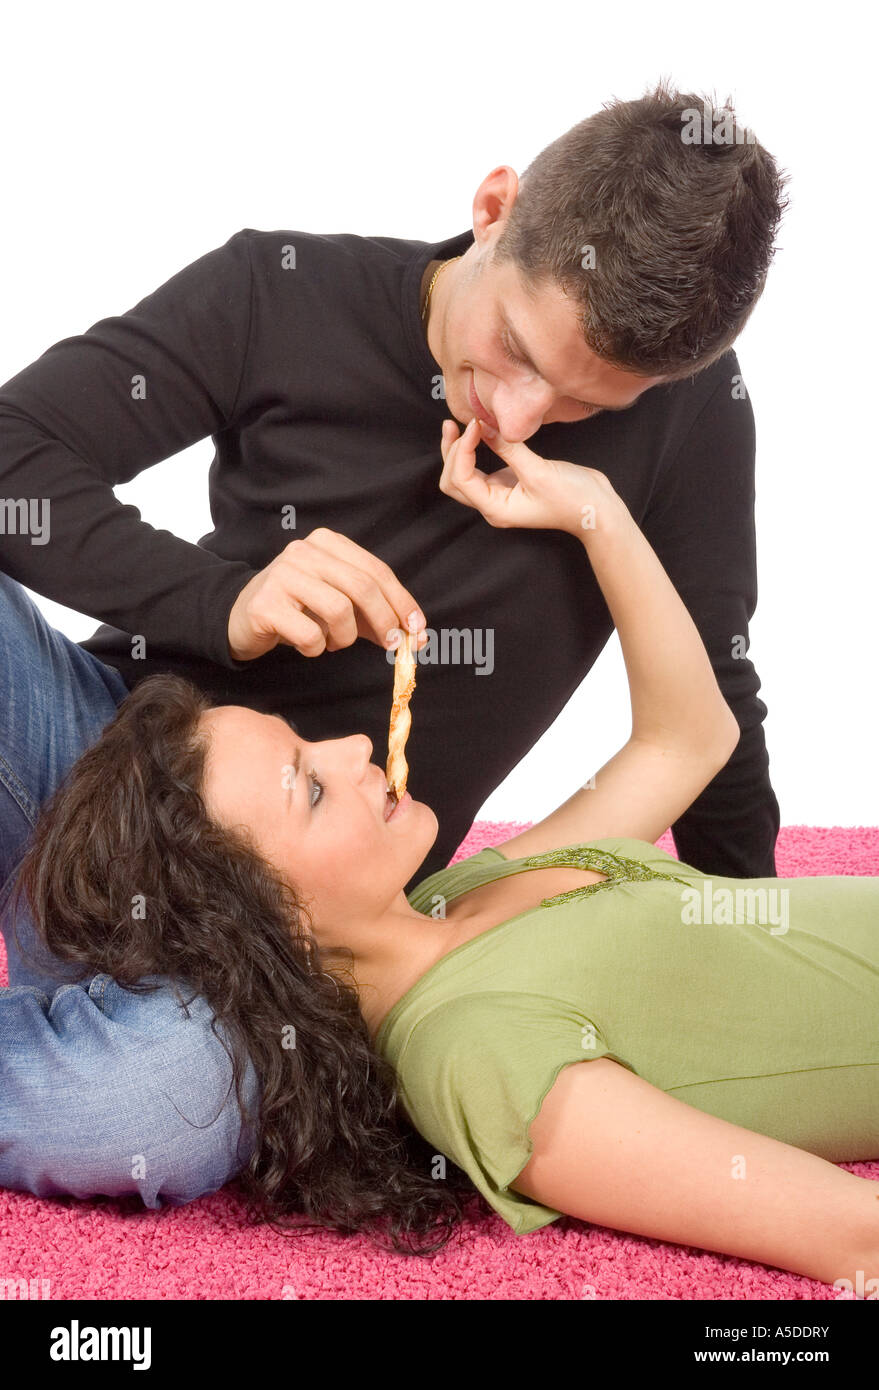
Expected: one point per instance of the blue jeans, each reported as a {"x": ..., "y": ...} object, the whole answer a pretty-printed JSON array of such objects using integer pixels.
[{"x": 101, "y": 1090}]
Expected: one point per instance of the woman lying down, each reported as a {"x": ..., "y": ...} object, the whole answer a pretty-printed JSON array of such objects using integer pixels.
[{"x": 570, "y": 1022}]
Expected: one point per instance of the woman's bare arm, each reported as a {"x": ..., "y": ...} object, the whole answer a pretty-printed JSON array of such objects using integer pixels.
[
  {"x": 683, "y": 731},
  {"x": 637, "y": 794},
  {"x": 610, "y": 1148}
]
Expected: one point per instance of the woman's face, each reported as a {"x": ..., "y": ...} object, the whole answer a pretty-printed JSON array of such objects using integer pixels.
[{"x": 326, "y": 833}]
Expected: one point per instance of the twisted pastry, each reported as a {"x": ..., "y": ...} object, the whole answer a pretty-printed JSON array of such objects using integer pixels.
[{"x": 401, "y": 719}]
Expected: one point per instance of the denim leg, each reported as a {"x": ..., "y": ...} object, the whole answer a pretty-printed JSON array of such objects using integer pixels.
[
  {"x": 55, "y": 699},
  {"x": 101, "y": 1090},
  {"x": 105, "y": 1091}
]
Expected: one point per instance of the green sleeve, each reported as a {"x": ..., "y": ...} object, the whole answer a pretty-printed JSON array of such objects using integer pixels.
[{"x": 473, "y": 1075}]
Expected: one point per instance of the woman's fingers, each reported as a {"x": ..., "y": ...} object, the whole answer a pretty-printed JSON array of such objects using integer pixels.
[
  {"x": 452, "y": 440},
  {"x": 531, "y": 491},
  {"x": 462, "y": 480}
]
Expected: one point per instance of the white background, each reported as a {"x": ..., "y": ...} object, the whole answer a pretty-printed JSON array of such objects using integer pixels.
[{"x": 136, "y": 138}]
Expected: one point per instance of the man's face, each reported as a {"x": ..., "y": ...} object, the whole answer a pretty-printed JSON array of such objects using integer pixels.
[{"x": 489, "y": 320}]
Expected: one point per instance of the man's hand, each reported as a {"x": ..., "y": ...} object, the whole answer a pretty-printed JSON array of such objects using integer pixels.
[{"x": 320, "y": 594}]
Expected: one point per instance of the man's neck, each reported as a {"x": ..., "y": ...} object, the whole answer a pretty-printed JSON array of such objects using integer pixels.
[
  {"x": 434, "y": 319},
  {"x": 426, "y": 278}
]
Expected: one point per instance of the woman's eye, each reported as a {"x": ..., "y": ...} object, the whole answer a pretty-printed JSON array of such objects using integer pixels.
[{"x": 316, "y": 783}]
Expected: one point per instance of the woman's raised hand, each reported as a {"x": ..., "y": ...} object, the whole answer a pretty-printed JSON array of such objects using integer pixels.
[{"x": 533, "y": 492}]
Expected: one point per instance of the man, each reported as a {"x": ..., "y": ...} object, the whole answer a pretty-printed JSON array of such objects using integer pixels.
[{"x": 590, "y": 310}]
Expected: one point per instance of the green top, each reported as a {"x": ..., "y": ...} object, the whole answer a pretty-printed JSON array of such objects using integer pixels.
[{"x": 756, "y": 1000}]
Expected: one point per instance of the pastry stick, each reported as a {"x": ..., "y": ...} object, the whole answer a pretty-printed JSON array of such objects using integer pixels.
[{"x": 401, "y": 719}]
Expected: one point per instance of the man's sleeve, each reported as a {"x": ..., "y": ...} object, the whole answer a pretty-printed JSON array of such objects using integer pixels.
[
  {"x": 700, "y": 522},
  {"x": 97, "y": 409}
]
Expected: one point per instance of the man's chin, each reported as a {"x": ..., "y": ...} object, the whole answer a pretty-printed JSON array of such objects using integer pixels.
[{"x": 458, "y": 405}]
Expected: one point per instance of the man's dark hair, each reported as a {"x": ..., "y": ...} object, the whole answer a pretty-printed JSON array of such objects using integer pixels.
[{"x": 682, "y": 229}]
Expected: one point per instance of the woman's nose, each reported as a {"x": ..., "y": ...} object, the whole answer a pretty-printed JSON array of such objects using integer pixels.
[{"x": 364, "y": 745}]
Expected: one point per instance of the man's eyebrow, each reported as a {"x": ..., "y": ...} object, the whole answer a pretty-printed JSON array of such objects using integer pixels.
[{"x": 513, "y": 332}]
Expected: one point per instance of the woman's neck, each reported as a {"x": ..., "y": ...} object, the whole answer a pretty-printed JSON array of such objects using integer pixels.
[{"x": 388, "y": 958}]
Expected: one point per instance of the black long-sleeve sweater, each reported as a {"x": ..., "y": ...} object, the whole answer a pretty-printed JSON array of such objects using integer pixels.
[{"x": 304, "y": 358}]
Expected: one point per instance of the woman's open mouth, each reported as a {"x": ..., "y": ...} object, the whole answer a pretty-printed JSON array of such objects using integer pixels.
[{"x": 394, "y": 807}]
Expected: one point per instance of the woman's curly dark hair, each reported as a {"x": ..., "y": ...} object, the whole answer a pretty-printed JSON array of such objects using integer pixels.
[{"x": 333, "y": 1143}]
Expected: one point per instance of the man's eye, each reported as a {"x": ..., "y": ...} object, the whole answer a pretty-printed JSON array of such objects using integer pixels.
[
  {"x": 520, "y": 361},
  {"x": 316, "y": 783}
]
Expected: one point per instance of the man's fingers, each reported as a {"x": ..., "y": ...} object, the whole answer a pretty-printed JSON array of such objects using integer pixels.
[
  {"x": 362, "y": 585},
  {"x": 400, "y": 599},
  {"x": 331, "y": 610},
  {"x": 290, "y": 625}
]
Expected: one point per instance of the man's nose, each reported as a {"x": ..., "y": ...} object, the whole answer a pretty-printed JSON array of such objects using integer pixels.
[{"x": 520, "y": 414}]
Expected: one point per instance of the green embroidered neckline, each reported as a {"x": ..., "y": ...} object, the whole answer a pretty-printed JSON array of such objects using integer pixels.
[{"x": 618, "y": 868}]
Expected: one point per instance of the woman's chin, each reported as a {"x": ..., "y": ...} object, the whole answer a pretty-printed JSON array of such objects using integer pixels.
[{"x": 419, "y": 822}]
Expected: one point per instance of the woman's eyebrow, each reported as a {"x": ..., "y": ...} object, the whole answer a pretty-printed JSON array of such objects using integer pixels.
[
  {"x": 297, "y": 755},
  {"x": 517, "y": 341}
]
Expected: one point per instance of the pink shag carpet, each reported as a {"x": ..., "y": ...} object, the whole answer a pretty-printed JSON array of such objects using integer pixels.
[{"x": 203, "y": 1251}]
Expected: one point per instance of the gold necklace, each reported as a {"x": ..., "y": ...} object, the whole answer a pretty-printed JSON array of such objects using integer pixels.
[{"x": 436, "y": 274}]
